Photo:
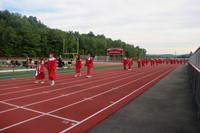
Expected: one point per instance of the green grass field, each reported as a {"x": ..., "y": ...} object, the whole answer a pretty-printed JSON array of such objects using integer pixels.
[{"x": 10, "y": 75}]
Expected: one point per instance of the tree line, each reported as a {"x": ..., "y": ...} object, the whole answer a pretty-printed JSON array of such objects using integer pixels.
[{"x": 22, "y": 36}]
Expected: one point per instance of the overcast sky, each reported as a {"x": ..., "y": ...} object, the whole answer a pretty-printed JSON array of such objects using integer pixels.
[{"x": 159, "y": 26}]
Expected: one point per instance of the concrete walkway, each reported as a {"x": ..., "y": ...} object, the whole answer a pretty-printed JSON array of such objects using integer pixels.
[{"x": 167, "y": 107}]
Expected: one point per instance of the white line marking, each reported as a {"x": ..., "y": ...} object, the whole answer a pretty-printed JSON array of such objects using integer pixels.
[
  {"x": 81, "y": 90},
  {"x": 61, "y": 75},
  {"x": 37, "y": 88},
  {"x": 39, "y": 112},
  {"x": 60, "y": 88},
  {"x": 114, "y": 103},
  {"x": 58, "y": 80},
  {"x": 2, "y": 129},
  {"x": 58, "y": 110},
  {"x": 115, "y": 88},
  {"x": 8, "y": 110},
  {"x": 68, "y": 94}
]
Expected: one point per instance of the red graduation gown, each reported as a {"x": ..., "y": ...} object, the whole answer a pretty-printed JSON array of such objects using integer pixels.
[
  {"x": 40, "y": 72},
  {"x": 130, "y": 63},
  {"x": 89, "y": 64},
  {"x": 125, "y": 62},
  {"x": 139, "y": 63},
  {"x": 51, "y": 67},
  {"x": 78, "y": 65}
]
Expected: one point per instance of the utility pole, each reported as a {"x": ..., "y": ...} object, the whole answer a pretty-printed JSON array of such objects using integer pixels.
[
  {"x": 175, "y": 53},
  {"x": 77, "y": 45},
  {"x": 63, "y": 46}
]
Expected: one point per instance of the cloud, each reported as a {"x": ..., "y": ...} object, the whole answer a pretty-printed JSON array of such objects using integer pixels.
[{"x": 152, "y": 24}]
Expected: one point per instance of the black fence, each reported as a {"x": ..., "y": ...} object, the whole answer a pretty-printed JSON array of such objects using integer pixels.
[{"x": 194, "y": 74}]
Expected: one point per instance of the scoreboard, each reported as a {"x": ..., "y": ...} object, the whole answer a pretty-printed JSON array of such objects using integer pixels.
[{"x": 115, "y": 51}]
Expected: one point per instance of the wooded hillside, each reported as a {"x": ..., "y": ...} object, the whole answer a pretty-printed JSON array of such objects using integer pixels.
[{"x": 22, "y": 36}]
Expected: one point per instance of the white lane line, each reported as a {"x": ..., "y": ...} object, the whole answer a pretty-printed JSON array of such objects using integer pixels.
[
  {"x": 43, "y": 114},
  {"x": 115, "y": 88},
  {"x": 33, "y": 118},
  {"x": 68, "y": 94},
  {"x": 3, "y": 85},
  {"x": 37, "y": 88},
  {"x": 61, "y": 75},
  {"x": 114, "y": 103},
  {"x": 62, "y": 88},
  {"x": 58, "y": 80},
  {"x": 39, "y": 112},
  {"x": 63, "y": 95},
  {"x": 75, "y": 92}
]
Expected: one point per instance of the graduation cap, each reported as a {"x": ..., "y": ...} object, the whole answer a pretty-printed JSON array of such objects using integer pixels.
[
  {"x": 51, "y": 53},
  {"x": 41, "y": 59}
]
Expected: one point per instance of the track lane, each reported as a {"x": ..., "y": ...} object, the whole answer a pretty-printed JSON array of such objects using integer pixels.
[
  {"x": 104, "y": 98},
  {"x": 71, "y": 90},
  {"x": 83, "y": 95},
  {"x": 90, "y": 121},
  {"x": 30, "y": 92},
  {"x": 61, "y": 75},
  {"x": 15, "y": 86}
]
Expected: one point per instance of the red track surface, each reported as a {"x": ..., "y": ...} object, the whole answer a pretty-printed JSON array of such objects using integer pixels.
[{"x": 72, "y": 105}]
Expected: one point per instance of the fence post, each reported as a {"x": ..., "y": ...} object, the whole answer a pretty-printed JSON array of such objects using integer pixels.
[{"x": 13, "y": 77}]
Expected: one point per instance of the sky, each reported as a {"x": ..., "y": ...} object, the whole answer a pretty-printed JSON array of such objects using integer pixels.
[{"x": 159, "y": 26}]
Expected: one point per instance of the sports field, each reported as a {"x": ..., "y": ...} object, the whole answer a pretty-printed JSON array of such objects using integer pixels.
[{"x": 73, "y": 104}]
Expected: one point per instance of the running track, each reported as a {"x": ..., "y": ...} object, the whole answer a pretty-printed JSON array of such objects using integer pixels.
[{"x": 73, "y": 104}]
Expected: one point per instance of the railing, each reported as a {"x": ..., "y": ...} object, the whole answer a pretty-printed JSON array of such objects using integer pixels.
[{"x": 194, "y": 74}]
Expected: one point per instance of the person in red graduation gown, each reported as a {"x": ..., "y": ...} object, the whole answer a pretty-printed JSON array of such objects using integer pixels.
[
  {"x": 130, "y": 63},
  {"x": 181, "y": 61},
  {"x": 51, "y": 67},
  {"x": 174, "y": 60},
  {"x": 160, "y": 61},
  {"x": 125, "y": 62},
  {"x": 139, "y": 62},
  {"x": 167, "y": 61},
  {"x": 143, "y": 62},
  {"x": 78, "y": 66},
  {"x": 171, "y": 61},
  {"x": 146, "y": 62},
  {"x": 152, "y": 62},
  {"x": 157, "y": 62},
  {"x": 89, "y": 64},
  {"x": 39, "y": 72},
  {"x": 184, "y": 61}
]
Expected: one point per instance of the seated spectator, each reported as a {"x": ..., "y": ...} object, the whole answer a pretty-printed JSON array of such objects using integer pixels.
[
  {"x": 17, "y": 62},
  {"x": 13, "y": 62},
  {"x": 8, "y": 63},
  {"x": 69, "y": 64},
  {"x": 32, "y": 63}
]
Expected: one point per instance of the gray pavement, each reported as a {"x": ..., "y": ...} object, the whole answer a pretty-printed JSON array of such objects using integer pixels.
[{"x": 167, "y": 107}]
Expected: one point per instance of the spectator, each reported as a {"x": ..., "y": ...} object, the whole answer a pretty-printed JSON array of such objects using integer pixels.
[
  {"x": 69, "y": 64},
  {"x": 13, "y": 62},
  {"x": 32, "y": 63},
  {"x": 17, "y": 62},
  {"x": 8, "y": 63},
  {"x": 27, "y": 63},
  {"x": 60, "y": 63}
]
